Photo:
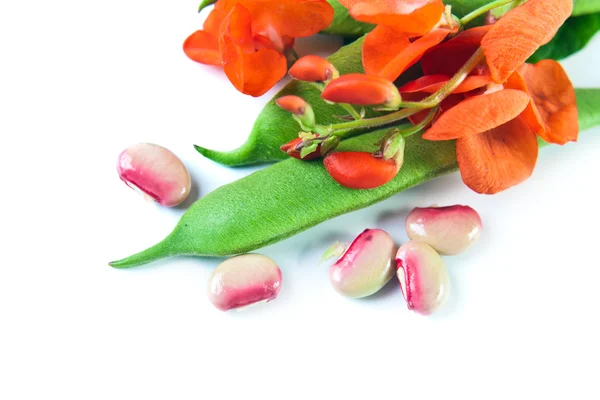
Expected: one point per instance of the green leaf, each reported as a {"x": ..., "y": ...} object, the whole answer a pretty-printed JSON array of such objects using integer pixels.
[
  {"x": 588, "y": 108},
  {"x": 344, "y": 25},
  {"x": 573, "y": 36},
  {"x": 206, "y": 3},
  {"x": 581, "y": 7},
  {"x": 275, "y": 126},
  {"x": 291, "y": 196}
]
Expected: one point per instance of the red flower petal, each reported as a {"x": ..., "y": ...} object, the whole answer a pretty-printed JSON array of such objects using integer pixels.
[
  {"x": 447, "y": 58},
  {"x": 499, "y": 158},
  {"x": 416, "y": 17},
  {"x": 294, "y": 18},
  {"x": 478, "y": 114},
  {"x": 251, "y": 72},
  {"x": 432, "y": 83},
  {"x": 203, "y": 47},
  {"x": 388, "y": 53},
  {"x": 554, "y": 98},
  {"x": 519, "y": 33}
]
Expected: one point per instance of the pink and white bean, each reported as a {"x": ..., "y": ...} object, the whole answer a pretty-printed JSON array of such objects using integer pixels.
[
  {"x": 244, "y": 280},
  {"x": 155, "y": 172},
  {"x": 366, "y": 266},
  {"x": 449, "y": 230},
  {"x": 423, "y": 277}
]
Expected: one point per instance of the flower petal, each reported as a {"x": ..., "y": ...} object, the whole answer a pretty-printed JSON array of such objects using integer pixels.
[
  {"x": 478, "y": 114},
  {"x": 447, "y": 58},
  {"x": 251, "y": 72},
  {"x": 203, "y": 47},
  {"x": 554, "y": 98},
  {"x": 531, "y": 114},
  {"x": 294, "y": 18},
  {"x": 499, "y": 158},
  {"x": 446, "y": 104},
  {"x": 389, "y": 60},
  {"x": 432, "y": 83},
  {"x": 519, "y": 33},
  {"x": 380, "y": 47},
  {"x": 416, "y": 17}
]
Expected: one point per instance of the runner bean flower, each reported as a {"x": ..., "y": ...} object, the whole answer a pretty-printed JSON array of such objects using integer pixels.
[
  {"x": 405, "y": 31},
  {"x": 251, "y": 38}
]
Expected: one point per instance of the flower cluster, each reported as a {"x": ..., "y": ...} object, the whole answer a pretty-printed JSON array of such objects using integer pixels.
[
  {"x": 253, "y": 39},
  {"x": 476, "y": 87}
]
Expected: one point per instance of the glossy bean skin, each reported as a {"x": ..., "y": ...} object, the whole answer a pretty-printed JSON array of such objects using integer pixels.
[
  {"x": 423, "y": 277},
  {"x": 155, "y": 172},
  {"x": 366, "y": 266},
  {"x": 450, "y": 230},
  {"x": 244, "y": 280}
]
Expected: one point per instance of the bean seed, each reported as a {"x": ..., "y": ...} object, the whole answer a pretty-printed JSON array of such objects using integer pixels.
[
  {"x": 155, "y": 172},
  {"x": 449, "y": 230},
  {"x": 366, "y": 266},
  {"x": 423, "y": 277},
  {"x": 244, "y": 280}
]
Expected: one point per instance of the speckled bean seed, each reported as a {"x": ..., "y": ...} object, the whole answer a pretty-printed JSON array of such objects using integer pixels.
[
  {"x": 366, "y": 266},
  {"x": 449, "y": 230},
  {"x": 155, "y": 172},
  {"x": 244, "y": 280},
  {"x": 423, "y": 277}
]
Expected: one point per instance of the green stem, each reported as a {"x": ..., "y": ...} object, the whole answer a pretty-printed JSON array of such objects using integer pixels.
[
  {"x": 342, "y": 129},
  {"x": 456, "y": 80},
  {"x": 351, "y": 110},
  {"x": 421, "y": 125},
  {"x": 482, "y": 10},
  {"x": 432, "y": 101}
]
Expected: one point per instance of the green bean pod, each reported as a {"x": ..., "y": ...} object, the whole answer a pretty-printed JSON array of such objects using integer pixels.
[{"x": 291, "y": 196}]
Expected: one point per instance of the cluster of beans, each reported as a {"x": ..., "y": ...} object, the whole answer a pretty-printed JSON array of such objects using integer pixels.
[
  {"x": 368, "y": 264},
  {"x": 364, "y": 267}
]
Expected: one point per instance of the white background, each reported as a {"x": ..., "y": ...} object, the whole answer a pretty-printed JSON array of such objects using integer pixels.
[{"x": 82, "y": 80}]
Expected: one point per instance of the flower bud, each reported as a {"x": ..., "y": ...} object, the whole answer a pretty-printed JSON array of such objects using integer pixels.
[
  {"x": 244, "y": 280},
  {"x": 393, "y": 146},
  {"x": 155, "y": 172},
  {"x": 423, "y": 277},
  {"x": 366, "y": 266},
  {"x": 363, "y": 90},
  {"x": 300, "y": 108},
  {"x": 449, "y": 230},
  {"x": 310, "y": 149},
  {"x": 360, "y": 170},
  {"x": 313, "y": 68}
]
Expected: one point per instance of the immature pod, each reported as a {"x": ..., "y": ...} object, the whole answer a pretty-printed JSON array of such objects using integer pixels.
[
  {"x": 363, "y": 90},
  {"x": 360, "y": 170},
  {"x": 299, "y": 108},
  {"x": 244, "y": 280},
  {"x": 156, "y": 172},
  {"x": 449, "y": 230},
  {"x": 311, "y": 68},
  {"x": 423, "y": 277},
  {"x": 366, "y": 266}
]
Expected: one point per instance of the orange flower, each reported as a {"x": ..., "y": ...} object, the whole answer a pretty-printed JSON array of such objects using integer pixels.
[
  {"x": 389, "y": 50},
  {"x": 496, "y": 145},
  {"x": 416, "y": 17},
  {"x": 248, "y": 38},
  {"x": 519, "y": 33}
]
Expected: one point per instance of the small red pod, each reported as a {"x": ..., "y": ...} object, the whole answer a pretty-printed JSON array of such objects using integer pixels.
[
  {"x": 313, "y": 68},
  {"x": 294, "y": 104},
  {"x": 362, "y": 90},
  {"x": 360, "y": 170}
]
